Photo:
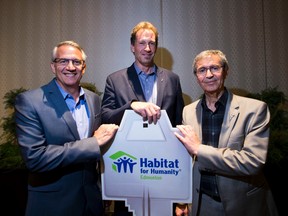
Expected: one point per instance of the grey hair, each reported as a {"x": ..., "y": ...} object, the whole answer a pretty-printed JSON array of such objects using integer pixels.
[
  {"x": 70, "y": 43},
  {"x": 224, "y": 62}
]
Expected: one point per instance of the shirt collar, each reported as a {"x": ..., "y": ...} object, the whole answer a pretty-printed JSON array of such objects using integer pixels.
[
  {"x": 222, "y": 100},
  {"x": 139, "y": 71},
  {"x": 66, "y": 95}
]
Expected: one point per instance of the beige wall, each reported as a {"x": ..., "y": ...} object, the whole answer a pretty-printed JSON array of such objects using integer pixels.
[{"x": 252, "y": 33}]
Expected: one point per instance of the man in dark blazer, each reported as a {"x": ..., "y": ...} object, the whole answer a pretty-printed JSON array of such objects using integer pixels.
[
  {"x": 228, "y": 137},
  {"x": 59, "y": 134},
  {"x": 123, "y": 88},
  {"x": 143, "y": 87}
]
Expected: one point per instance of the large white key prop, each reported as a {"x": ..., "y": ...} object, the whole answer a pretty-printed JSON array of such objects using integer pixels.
[{"x": 147, "y": 167}]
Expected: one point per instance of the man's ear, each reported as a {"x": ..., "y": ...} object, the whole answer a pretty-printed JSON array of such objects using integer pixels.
[
  {"x": 53, "y": 68},
  {"x": 132, "y": 48},
  {"x": 83, "y": 68}
]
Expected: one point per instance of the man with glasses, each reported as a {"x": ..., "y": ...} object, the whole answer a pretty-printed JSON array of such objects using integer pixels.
[
  {"x": 227, "y": 135},
  {"x": 59, "y": 134}
]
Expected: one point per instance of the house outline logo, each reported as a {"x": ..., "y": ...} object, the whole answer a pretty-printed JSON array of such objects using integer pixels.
[{"x": 123, "y": 162}]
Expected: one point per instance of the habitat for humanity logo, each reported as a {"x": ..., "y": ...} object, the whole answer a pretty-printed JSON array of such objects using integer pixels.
[{"x": 123, "y": 162}]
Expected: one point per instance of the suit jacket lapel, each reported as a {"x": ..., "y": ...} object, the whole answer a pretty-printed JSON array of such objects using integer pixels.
[
  {"x": 161, "y": 83},
  {"x": 229, "y": 120},
  {"x": 54, "y": 95},
  {"x": 135, "y": 83},
  {"x": 92, "y": 113}
]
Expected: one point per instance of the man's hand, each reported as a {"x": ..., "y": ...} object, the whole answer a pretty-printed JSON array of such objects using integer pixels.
[
  {"x": 105, "y": 132},
  {"x": 189, "y": 138},
  {"x": 147, "y": 110}
]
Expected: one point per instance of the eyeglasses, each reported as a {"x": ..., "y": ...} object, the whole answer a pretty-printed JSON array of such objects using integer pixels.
[
  {"x": 65, "y": 62},
  {"x": 213, "y": 69}
]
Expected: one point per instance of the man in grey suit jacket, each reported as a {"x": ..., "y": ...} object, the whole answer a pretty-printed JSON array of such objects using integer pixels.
[
  {"x": 143, "y": 87},
  {"x": 228, "y": 136},
  {"x": 59, "y": 134}
]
